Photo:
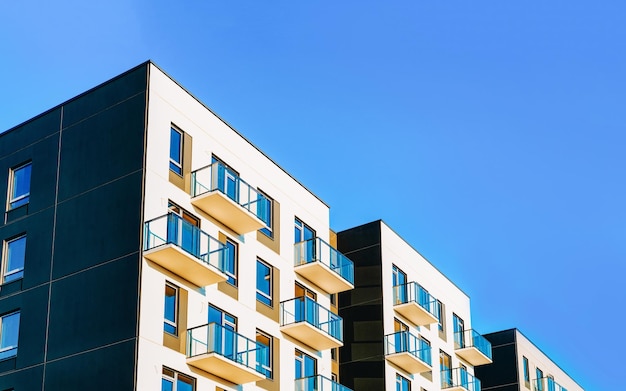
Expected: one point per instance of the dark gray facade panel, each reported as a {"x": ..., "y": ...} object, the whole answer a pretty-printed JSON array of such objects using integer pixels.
[
  {"x": 93, "y": 308},
  {"x": 105, "y": 369},
  {"x": 102, "y": 148},
  {"x": 98, "y": 226},
  {"x": 30, "y": 132},
  {"x": 30, "y": 379},
  {"x": 502, "y": 373}
]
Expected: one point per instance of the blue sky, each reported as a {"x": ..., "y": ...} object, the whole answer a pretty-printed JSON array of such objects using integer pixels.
[{"x": 489, "y": 134}]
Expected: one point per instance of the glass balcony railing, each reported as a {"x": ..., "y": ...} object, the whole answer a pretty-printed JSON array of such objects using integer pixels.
[
  {"x": 547, "y": 384},
  {"x": 317, "y": 250},
  {"x": 220, "y": 177},
  {"x": 172, "y": 229},
  {"x": 414, "y": 292},
  {"x": 403, "y": 341},
  {"x": 459, "y": 377},
  {"x": 215, "y": 338},
  {"x": 471, "y": 338},
  {"x": 305, "y": 309},
  {"x": 318, "y": 383}
]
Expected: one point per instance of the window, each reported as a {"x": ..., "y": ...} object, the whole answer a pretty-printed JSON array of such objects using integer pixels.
[
  {"x": 265, "y": 360},
  {"x": 19, "y": 186},
  {"x": 176, "y": 151},
  {"x": 402, "y": 383},
  {"x": 399, "y": 285},
  {"x": 225, "y": 341},
  {"x": 306, "y": 366},
  {"x": 230, "y": 262},
  {"x": 445, "y": 367},
  {"x": 9, "y": 331},
  {"x": 442, "y": 316},
  {"x": 227, "y": 179},
  {"x": 333, "y": 299},
  {"x": 175, "y": 381},
  {"x": 183, "y": 229},
  {"x": 264, "y": 212},
  {"x": 14, "y": 255},
  {"x": 263, "y": 282},
  {"x": 333, "y": 353},
  {"x": 539, "y": 374},
  {"x": 302, "y": 231},
  {"x": 458, "y": 328},
  {"x": 170, "y": 318},
  {"x": 526, "y": 371},
  {"x": 222, "y": 318}
]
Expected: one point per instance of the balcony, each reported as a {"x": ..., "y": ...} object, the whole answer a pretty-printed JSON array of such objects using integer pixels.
[
  {"x": 184, "y": 249},
  {"x": 415, "y": 304},
  {"x": 318, "y": 383},
  {"x": 219, "y": 192},
  {"x": 323, "y": 265},
  {"x": 547, "y": 384},
  {"x": 472, "y": 347},
  {"x": 222, "y": 352},
  {"x": 310, "y": 323},
  {"x": 458, "y": 379},
  {"x": 408, "y": 352}
]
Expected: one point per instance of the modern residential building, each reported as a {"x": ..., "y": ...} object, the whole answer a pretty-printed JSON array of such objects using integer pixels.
[
  {"x": 147, "y": 245},
  {"x": 408, "y": 326},
  {"x": 519, "y": 365}
]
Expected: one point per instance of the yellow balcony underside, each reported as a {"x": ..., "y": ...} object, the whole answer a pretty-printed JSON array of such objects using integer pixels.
[
  {"x": 227, "y": 211},
  {"x": 473, "y": 356},
  {"x": 180, "y": 262},
  {"x": 408, "y": 362},
  {"x": 311, "y": 336},
  {"x": 455, "y": 388},
  {"x": 322, "y": 276},
  {"x": 415, "y": 313},
  {"x": 226, "y": 369}
]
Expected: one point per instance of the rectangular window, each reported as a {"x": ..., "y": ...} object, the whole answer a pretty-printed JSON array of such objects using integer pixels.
[
  {"x": 230, "y": 262},
  {"x": 176, "y": 151},
  {"x": 445, "y": 367},
  {"x": 402, "y": 383},
  {"x": 333, "y": 353},
  {"x": 13, "y": 259},
  {"x": 265, "y": 212},
  {"x": 458, "y": 328},
  {"x": 9, "y": 332},
  {"x": 265, "y": 360},
  {"x": 400, "y": 294},
  {"x": 306, "y": 366},
  {"x": 526, "y": 371},
  {"x": 539, "y": 374},
  {"x": 170, "y": 318},
  {"x": 175, "y": 381},
  {"x": 302, "y": 231},
  {"x": 442, "y": 316},
  {"x": 19, "y": 186},
  {"x": 263, "y": 282},
  {"x": 222, "y": 318}
]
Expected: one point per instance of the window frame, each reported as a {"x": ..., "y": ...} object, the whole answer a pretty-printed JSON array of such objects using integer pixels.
[
  {"x": 21, "y": 199},
  {"x": 233, "y": 247},
  {"x": 526, "y": 369},
  {"x": 302, "y": 358},
  {"x": 174, "y": 378},
  {"x": 12, "y": 349},
  {"x": 442, "y": 316},
  {"x": 268, "y": 369},
  {"x": 268, "y": 230},
  {"x": 5, "y": 260},
  {"x": 261, "y": 296},
  {"x": 176, "y": 166},
  {"x": 401, "y": 381},
  {"x": 302, "y": 227},
  {"x": 168, "y": 322}
]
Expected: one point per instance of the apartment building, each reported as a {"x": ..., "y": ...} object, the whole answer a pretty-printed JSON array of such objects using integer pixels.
[
  {"x": 148, "y": 245},
  {"x": 519, "y": 365},
  {"x": 408, "y": 326}
]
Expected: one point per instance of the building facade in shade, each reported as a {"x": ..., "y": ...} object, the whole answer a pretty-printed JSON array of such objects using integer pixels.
[
  {"x": 149, "y": 246},
  {"x": 519, "y": 365},
  {"x": 408, "y": 326}
]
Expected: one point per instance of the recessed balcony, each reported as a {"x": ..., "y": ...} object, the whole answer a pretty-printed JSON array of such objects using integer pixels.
[
  {"x": 415, "y": 304},
  {"x": 458, "y": 379},
  {"x": 224, "y": 353},
  {"x": 183, "y": 249},
  {"x": 408, "y": 352},
  {"x": 472, "y": 347},
  {"x": 320, "y": 263},
  {"x": 219, "y": 192},
  {"x": 318, "y": 383},
  {"x": 310, "y": 323},
  {"x": 547, "y": 384}
]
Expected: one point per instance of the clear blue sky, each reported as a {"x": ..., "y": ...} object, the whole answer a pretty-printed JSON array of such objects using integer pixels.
[{"x": 489, "y": 134}]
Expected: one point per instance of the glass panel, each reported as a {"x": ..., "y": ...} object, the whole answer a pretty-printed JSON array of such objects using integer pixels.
[
  {"x": 167, "y": 385},
  {"x": 169, "y": 325},
  {"x": 20, "y": 188},
  {"x": 9, "y": 330},
  {"x": 176, "y": 151},
  {"x": 264, "y": 283},
  {"x": 16, "y": 252}
]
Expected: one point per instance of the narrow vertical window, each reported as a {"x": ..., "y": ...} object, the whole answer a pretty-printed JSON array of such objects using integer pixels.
[
  {"x": 442, "y": 316},
  {"x": 526, "y": 371},
  {"x": 399, "y": 280},
  {"x": 263, "y": 282},
  {"x": 539, "y": 380},
  {"x": 19, "y": 186},
  {"x": 306, "y": 366},
  {"x": 445, "y": 367},
  {"x": 13, "y": 259},
  {"x": 170, "y": 321},
  {"x": 265, "y": 356},
  {"x": 176, "y": 151},
  {"x": 230, "y": 262},
  {"x": 9, "y": 332},
  {"x": 175, "y": 381},
  {"x": 402, "y": 383},
  {"x": 459, "y": 331},
  {"x": 264, "y": 212}
]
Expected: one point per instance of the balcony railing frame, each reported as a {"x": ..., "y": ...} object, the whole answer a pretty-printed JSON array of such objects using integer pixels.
[
  {"x": 459, "y": 377},
  {"x": 404, "y": 341},
  {"x": 304, "y": 309},
  {"x": 471, "y": 338},
  {"x": 414, "y": 292},
  {"x": 318, "y": 383},
  {"x": 317, "y": 250}
]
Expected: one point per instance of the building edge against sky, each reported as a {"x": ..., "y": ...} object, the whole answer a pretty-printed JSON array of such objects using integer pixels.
[{"x": 142, "y": 231}]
